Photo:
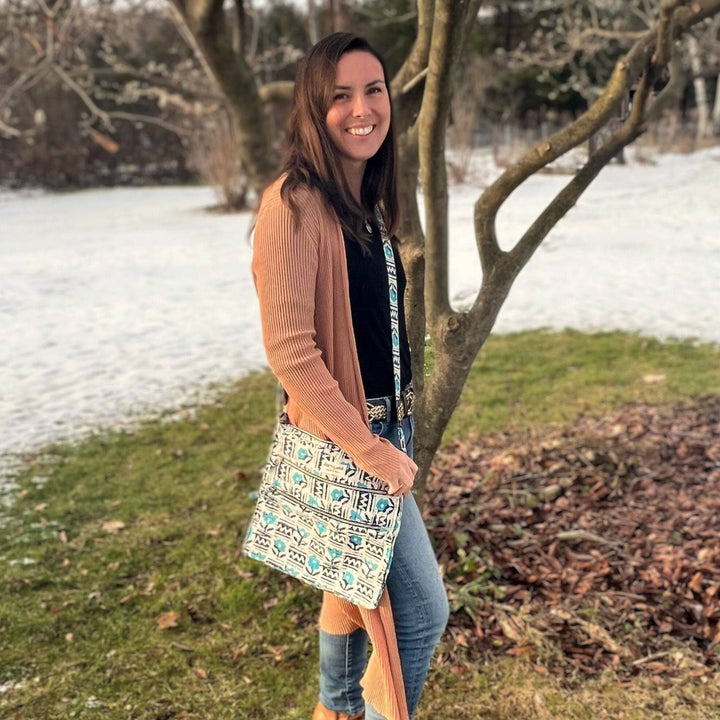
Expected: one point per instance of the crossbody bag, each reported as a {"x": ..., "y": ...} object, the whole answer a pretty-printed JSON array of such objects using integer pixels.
[{"x": 319, "y": 517}]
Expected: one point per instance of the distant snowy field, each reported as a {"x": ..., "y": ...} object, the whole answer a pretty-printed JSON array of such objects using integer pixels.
[{"x": 117, "y": 303}]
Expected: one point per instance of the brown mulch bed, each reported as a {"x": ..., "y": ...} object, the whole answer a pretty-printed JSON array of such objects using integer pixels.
[{"x": 592, "y": 546}]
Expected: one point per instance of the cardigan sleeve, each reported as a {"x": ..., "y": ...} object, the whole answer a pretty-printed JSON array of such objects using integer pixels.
[{"x": 285, "y": 266}]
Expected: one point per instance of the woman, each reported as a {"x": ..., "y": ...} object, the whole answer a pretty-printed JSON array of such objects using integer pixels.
[{"x": 321, "y": 279}]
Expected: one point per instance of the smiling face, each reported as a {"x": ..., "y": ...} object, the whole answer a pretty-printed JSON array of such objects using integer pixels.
[{"x": 359, "y": 116}]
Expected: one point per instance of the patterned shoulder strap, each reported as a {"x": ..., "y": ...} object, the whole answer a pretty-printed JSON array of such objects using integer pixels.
[{"x": 394, "y": 316}]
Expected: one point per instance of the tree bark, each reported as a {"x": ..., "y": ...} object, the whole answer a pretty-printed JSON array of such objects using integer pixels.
[
  {"x": 456, "y": 337},
  {"x": 206, "y": 20},
  {"x": 422, "y": 91},
  {"x": 701, "y": 98},
  {"x": 313, "y": 22}
]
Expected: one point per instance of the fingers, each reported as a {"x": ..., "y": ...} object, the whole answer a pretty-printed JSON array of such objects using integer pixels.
[
  {"x": 403, "y": 483},
  {"x": 406, "y": 479},
  {"x": 402, "y": 490}
]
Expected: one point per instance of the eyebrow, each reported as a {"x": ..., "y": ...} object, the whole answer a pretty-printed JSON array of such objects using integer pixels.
[{"x": 348, "y": 87}]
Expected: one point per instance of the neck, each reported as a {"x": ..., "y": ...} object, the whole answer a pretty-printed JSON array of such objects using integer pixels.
[{"x": 354, "y": 176}]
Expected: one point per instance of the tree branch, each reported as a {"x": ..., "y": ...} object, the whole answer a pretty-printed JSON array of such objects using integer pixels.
[
  {"x": 240, "y": 17},
  {"x": 626, "y": 72},
  {"x": 473, "y": 9},
  {"x": 670, "y": 95},
  {"x": 90, "y": 104},
  {"x": 612, "y": 34},
  {"x": 205, "y": 19},
  {"x": 278, "y": 90},
  {"x": 150, "y": 120},
  {"x": 407, "y": 103},
  {"x": 9, "y": 131},
  {"x": 432, "y": 125},
  {"x": 665, "y": 31},
  {"x": 408, "y": 86},
  {"x": 407, "y": 95},
  {"x": 123, "y": 75}
]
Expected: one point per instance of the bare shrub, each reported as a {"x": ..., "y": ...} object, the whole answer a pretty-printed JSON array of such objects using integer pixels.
[
  {"x": 470, "y": 90},
  {"x": 214, "y": 153}
]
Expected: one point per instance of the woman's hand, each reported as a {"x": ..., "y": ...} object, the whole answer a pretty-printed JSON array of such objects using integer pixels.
[{"x": 403, "y": 484}]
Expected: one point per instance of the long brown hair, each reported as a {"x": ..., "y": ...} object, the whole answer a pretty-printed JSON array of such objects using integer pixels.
[{"x": 312, "y": 158}]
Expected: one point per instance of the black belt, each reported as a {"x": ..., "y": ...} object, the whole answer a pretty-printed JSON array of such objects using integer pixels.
[{"x": 378, "y": 408}]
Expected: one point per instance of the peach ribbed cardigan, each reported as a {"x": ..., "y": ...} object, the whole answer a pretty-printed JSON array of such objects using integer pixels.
[{"x": 300, "y": 274}]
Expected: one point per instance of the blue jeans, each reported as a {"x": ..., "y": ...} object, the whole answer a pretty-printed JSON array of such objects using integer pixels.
[{"x": 420, "y": 612}]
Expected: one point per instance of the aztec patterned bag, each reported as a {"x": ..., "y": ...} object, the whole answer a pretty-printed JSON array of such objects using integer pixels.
[
  {"x": 323, "y": 520},
  {"x": 319, "y": 517}
]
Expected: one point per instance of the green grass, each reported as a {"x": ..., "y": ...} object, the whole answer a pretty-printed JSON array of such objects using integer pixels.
[
  {"x": 532, "y": 378},
  {"x": 78, "y": 604}
]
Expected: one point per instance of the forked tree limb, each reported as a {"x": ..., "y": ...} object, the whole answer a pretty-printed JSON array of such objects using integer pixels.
[
  {"x": 413, "y": 70},
  {"x": 458, "y": 336},
  {"x": 407, "y": 94},
  {"x": 276, "y": 90},
  {"x": 206, "y": 20},
  {"x": 638, "y": 61},
  {"x": 409, "y": 84}
]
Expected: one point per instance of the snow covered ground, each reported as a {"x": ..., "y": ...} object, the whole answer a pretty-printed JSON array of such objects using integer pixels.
[{"x": 115, "y": 303}]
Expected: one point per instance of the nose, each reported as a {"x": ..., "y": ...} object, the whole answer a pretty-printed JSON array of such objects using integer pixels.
[{"x": 360, "y": 107}]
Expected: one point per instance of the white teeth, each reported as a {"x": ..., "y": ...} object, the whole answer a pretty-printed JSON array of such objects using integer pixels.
[{"x": 360, "y": 131}]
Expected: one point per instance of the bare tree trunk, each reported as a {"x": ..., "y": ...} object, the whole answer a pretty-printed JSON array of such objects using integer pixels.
[
  {"x": 337, "y": 15},
  {"x": 313, "y": 22},
  {"x": 716, "y": 108},
  {"x": 422, "y": 91},
  {"x": 701, "y": 99},
  {"x": 409, "y": 90},
  {"x": 206, "y": 20},
  {"x": 456, "y": 337}
]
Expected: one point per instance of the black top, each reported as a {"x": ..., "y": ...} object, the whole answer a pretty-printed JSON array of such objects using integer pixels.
[{"x": 370, "y": 305}]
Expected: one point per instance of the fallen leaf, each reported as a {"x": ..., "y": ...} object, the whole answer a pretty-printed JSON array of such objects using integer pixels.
[
  {"x": 167, "y": 620},
  {"x": 523, "y": 650},
  {"x": 69, "y": 637},
  {"x": 640, "y": 499},
  {"x": 201, "y": 673},
  {"x": 240, "y": 652},
  {"x": 278, "y": 652},
  {"x": 696, "y": 583},
  {"x": 113, "y": 526},
  {"x": 653, "y": 379},
  {"x": 104, "y": 141},
  {"x": 62, "y": 537}
]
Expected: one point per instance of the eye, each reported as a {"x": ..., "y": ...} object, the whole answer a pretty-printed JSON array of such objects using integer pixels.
[{"x": 339, "y": 96}]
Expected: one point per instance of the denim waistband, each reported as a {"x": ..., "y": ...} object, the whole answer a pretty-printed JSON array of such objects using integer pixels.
[{"x": 383, "y": 408}]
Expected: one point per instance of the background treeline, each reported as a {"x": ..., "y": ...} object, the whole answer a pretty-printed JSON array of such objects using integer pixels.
[{"x": 108, "y": 93}]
